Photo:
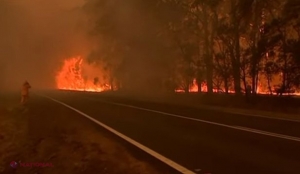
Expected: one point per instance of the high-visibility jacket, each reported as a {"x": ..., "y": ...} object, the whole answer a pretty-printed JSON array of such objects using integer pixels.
[{"x": 25, "y": 88}]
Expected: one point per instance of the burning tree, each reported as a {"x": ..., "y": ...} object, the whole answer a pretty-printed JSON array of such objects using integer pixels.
[
  {"x": 75, "y": 75},
  {"x": 193, "y": 44}
]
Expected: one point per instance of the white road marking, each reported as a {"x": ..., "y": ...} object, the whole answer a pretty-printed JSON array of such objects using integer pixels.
[
  {"x": 225, "y": 110},
  {"x": 213, "y": 123},
  {"x": 158, "y": 156},
  {"x": 262, "y": 116},
  {"x": 269, "y": 133}
]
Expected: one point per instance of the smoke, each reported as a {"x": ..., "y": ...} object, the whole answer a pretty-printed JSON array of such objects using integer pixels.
[
  {"x": 36, "y": 36},
  {"x": 132, "y": 28}
]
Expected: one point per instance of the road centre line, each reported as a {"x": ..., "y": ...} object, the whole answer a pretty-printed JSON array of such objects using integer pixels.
[
  {"x": 206, "y": 107},
  {"x": 271, "y": 134},
  {"x": 151, "y": 152},
  {"x": 262, "y": 116}
]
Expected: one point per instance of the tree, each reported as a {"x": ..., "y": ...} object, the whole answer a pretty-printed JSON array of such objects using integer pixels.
[
  {"x": 230, "y": 28},
  {"x": 291, "y": 13},
  {"x": 222, "y": 64},
  {"x": 128, "y": 43},
  {"x": 205, "y": 16},
  {"x": 173, "y": 42},
  {"x": 285, "y": 30},
  {"x": 259, "y": 12},
  {"x": 270, "y": 69}
]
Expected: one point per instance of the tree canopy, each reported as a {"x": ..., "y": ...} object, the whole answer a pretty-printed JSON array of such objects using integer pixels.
[{"x": 221, "y": 44}]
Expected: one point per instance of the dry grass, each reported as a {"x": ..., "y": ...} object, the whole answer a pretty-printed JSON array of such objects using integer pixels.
[{"x": 72, "y": 147}]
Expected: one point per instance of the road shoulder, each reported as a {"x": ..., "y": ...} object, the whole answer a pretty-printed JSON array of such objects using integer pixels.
[{"x": 49, "y": 133}]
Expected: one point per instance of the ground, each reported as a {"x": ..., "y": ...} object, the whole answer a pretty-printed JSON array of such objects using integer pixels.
[{"x": 46, "y": 132}]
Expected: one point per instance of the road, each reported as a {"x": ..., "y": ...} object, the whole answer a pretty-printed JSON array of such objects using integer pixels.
[{"x": 200, "y": 140}]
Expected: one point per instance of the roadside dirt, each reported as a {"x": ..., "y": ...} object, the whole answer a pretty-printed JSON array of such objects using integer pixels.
[{"x": 47, "y": 133}]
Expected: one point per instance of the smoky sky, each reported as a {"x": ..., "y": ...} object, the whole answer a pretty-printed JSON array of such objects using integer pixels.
[
  {"x": 132, "y": 24},
  {"x": 36, "y": 36}
]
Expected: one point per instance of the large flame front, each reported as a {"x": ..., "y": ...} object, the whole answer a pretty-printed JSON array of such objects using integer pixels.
[{"x": 75, "y": 75}]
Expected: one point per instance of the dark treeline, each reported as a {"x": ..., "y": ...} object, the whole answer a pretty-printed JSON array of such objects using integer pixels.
[{"x": 225, "y": 44}]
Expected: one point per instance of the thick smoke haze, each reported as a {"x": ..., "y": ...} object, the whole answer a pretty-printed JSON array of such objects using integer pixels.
[
  {"x": 131, "y": 28},
  {"x": 35, "y": 37}
]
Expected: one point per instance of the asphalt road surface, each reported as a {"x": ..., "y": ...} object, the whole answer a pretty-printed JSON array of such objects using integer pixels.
[{"x": 200, "y": 140}]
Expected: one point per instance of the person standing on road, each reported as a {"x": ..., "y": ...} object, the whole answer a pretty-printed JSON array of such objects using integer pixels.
[{"x": 25, "y": 92}]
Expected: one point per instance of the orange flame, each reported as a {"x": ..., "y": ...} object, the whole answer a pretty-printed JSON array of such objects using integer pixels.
[
  {"x": 77, "y": 75},
  {"x": 74, "y": 76},
  {"x": 193, "y": 87}
]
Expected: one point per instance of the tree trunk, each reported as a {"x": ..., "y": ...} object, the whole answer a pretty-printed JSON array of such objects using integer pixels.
[
  {"x": 283, "y": 86},
  {"x": 284, "y": 76},
  {"x": 255, "y": 56},
  {"x": 199, "y": 82},
  {"x": 256, "y": 83},
  {"x": 208, "y": 55},
  {"x": 236, "y": 65},
  {"x": 112, "y": 88},
  {"x": 209, "y": 78},
  {"x": 236, "y": 57},
  {"x": 269, "y": 84},
  {"x": 226, "y": 85},
  {"x": 237, "y": 78},
  {"x": 187, "y": 86},
  {"x": 244, "y": 81},
  {"x": 253, "y": 77}
]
